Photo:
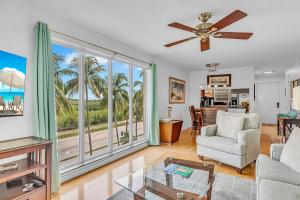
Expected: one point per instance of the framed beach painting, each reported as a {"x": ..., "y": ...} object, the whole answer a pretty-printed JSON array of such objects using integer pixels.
[
  {"x": 12, "y": 84},
  {"x": 176, "y": 90}
]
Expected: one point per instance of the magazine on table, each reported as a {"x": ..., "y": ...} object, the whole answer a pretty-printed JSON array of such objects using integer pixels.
[{"x": 183, "y": 171}]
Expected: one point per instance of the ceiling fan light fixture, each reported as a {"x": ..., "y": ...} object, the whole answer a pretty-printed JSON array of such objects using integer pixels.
[{"x": 205, "y": 29}]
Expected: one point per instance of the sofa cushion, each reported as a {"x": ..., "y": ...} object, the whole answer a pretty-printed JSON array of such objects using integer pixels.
[
  {"x": 290, "y": 155},
  {"x": 252, "y": 121},
  {"x": 273, "y": 190},
  {"x": 229, "y": 124},
  {"x": 276, "y": 171},
  {"x": 222, "y": 144}
]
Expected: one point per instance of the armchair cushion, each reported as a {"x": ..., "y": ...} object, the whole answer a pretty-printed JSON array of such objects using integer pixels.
[
  {"x": 276, "y": 171},
  {"x": 274, "y": 190},
  {"x": 291, "y": 151},
  {"x": 229, "y": 124},
  {"x": 210, "y": 130},
  {"x": 275, "y": 151},
  {"x": 221, "y": 144}
]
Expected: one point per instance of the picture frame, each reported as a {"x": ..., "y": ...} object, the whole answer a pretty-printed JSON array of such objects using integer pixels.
[
  {"x": 176, "y": 91},
  {"x": 12, "y": 84},
  {"x": 220, "y": 80}
]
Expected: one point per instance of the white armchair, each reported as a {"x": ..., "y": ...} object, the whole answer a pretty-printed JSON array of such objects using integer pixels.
[{"x": 234, "y": 140}]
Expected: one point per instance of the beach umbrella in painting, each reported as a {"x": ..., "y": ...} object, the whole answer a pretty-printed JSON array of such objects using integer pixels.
[{"x": 12, "y": 77}]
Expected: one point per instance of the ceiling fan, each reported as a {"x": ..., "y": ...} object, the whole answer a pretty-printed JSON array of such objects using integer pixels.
[{"x": 206, "y": 29}]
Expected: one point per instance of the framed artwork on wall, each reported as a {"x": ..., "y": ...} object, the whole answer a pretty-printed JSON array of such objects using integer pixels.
[
  {"x": 219, "y": 80},
  {"x": 12, "y": 84},
  {"x": 176, "y": 90}
]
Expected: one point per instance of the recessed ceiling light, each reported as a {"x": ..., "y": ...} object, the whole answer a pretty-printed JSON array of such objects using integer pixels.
[{"x": 268, "y": 72}]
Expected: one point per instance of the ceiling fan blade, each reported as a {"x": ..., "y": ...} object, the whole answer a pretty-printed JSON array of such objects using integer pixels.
[
  {"x": 205, "y": 44},
  {"x": 181, "y": 26},
  {"x": 233, "y": 35},
  {"x": 180, "y": 41},
  {"x": 229, "y": 19}
]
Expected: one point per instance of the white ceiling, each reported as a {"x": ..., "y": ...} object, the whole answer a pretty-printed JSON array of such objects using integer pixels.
[{"x": 142, "y": 24}]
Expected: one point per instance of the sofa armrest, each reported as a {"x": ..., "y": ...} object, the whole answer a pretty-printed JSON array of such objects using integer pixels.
[
  {"x": 250, "y": 138},
  {"x": 275, "y": 151},
  {"x": 210, "y": 130}
]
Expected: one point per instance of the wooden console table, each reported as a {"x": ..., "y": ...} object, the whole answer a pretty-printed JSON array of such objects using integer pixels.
[
  {"x": 284, "y": 121},
  {"x": 170, "y": 131},
  {"x": 36, "y": 165}
]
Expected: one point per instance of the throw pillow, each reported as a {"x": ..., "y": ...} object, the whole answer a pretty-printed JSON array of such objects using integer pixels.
[
  {"x": 229, "y": 124},
  {"x": 291, "y": 151},
  {"x": 252, "y": 121}
]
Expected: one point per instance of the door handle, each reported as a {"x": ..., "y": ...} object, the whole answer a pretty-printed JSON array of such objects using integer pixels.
[{"x": 277, "y": 105}]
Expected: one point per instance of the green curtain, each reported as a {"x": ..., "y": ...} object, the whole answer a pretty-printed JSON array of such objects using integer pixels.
[
  {"x": 153, "y": 122},
  {"x": 43, "y": 99}
]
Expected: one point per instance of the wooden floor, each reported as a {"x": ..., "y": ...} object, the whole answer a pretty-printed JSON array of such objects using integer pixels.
[{"x": 99, "y": 184}]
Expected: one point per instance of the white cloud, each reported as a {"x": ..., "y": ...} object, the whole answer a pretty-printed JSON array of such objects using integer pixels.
[
  {"x": 101, "y": 60},
  {"x": 70, "y": 56}
]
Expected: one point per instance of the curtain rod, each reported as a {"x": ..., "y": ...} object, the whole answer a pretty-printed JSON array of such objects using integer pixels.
[{"x": 99, "y": 46}]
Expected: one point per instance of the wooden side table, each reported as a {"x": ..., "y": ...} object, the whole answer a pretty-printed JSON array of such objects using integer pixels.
[
  {"x": 170, "y": 131},
  {"x": 284, "y": 122}
]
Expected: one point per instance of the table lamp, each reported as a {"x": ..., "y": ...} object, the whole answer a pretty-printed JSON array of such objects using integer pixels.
[{"x": 296, "y": 99}]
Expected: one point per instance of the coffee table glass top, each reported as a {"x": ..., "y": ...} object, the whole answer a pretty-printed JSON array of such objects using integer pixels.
[{"x": 153, "y": 183}]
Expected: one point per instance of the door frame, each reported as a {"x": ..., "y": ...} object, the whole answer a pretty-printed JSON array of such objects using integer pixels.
[{"x": 268, "y": 82}]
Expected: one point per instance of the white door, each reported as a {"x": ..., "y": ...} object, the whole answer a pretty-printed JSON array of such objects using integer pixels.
[{"x": 267, "y": 101}]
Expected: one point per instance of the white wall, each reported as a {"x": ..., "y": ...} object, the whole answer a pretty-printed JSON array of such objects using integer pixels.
[
  {"x": 179, "y": 111},
  {"x": 281, "y": 80},
  {"x": 240, "y": 78},
  {"x": 17, "y": 36}
]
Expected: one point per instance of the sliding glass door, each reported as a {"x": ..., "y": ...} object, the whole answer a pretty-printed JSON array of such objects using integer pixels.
[
  {"x": 66, "y": 102},
  {"x": 96, "y": 105},
  {"x": 138, "y": 103},
  {"x": 120, "y": 102},
  {"x": 100, "y": 104}
]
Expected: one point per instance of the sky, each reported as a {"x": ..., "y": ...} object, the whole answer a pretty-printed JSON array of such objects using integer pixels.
[
  {"x": 118, "y": 67},
  {"x": 12, "y": 61}
]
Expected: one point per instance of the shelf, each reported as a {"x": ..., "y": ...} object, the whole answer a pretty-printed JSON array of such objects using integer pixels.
[
  {"x": 17, "y": 191},
  {"x": 25, "y": 166}
]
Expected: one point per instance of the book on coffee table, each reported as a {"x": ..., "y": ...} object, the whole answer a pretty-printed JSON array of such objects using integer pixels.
[{"x": 183, "y": 171}]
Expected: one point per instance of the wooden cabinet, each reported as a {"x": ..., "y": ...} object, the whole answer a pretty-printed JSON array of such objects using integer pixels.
[
  {"x": 170, "y": 131},
  {"x": 35, "y": 165}
]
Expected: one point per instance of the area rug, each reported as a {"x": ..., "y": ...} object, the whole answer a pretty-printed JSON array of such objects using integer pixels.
[{"x": 225, "y": 187}]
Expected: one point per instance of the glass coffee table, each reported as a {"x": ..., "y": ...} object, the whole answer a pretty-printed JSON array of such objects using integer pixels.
[{"x": 153, "y": 183}]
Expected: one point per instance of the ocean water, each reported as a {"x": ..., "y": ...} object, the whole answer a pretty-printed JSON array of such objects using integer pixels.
[{"x": 8, "y": 96}]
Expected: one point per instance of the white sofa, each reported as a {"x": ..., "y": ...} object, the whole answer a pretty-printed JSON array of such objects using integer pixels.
[
  {"x": 234, "y": 140},
  {"x": 275, "y": 180}
]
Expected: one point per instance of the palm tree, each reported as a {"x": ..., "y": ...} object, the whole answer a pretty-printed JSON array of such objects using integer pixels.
[
  {"x": 120, "y": 97},
  {"x": 93, "y": 82},
  {"x": 63, "y": 105},
  {"x": 138, "y": 99}
]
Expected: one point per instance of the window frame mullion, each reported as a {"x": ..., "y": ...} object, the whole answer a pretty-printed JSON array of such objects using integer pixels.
[
  {"x": 110, "y": 108},
  {"x": 81, "y": 104},
  {"x": 130, "y": 96}
]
